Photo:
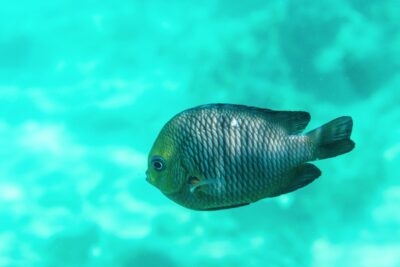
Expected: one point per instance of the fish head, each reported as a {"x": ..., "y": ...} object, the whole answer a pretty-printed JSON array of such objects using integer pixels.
[{"x": 164, "y": 168}]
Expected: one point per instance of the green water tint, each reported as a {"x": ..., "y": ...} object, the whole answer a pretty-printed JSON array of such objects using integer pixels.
[{"x": 85, "y": 89}]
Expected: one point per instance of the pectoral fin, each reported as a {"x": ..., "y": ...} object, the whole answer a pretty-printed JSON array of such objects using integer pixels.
[
  {"x": 202, "y": 185},
  {"x": 208, "y": 186}
]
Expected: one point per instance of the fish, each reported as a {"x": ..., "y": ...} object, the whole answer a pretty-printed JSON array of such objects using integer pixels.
[{"x": 221, "y": 156}]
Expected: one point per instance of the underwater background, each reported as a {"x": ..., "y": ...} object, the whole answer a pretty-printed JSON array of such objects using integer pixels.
[{"x": 85, "y": 87}]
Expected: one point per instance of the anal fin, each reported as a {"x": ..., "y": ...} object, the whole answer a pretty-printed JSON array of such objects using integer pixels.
[
  {"x": 227, "y": 207},
  {"x": 298, "y": 178}
]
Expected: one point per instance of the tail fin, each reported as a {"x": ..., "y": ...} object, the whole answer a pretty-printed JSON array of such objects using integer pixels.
[{"x": 333, "y": 138}]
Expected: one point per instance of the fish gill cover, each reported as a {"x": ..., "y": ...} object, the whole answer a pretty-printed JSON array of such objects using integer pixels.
[{"x": 85, "y": 87}]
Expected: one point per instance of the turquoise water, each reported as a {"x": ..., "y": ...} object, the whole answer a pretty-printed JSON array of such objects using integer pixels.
[{"x": 85, "y": 87}]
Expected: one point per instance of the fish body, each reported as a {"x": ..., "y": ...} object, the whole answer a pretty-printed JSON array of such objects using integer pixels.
[{"x": 221, "y": 156}]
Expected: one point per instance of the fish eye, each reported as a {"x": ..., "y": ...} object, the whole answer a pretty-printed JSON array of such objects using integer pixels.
[{"x": 158, "y": 163}]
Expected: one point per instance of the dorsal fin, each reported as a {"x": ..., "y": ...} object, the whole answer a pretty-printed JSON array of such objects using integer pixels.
[{"x": 294, "y": 122}]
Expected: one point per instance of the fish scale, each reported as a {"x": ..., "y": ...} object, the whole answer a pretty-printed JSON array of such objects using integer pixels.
[
  {"x": 222, "y": 155},
  {"x": 245, "y": 147}
]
